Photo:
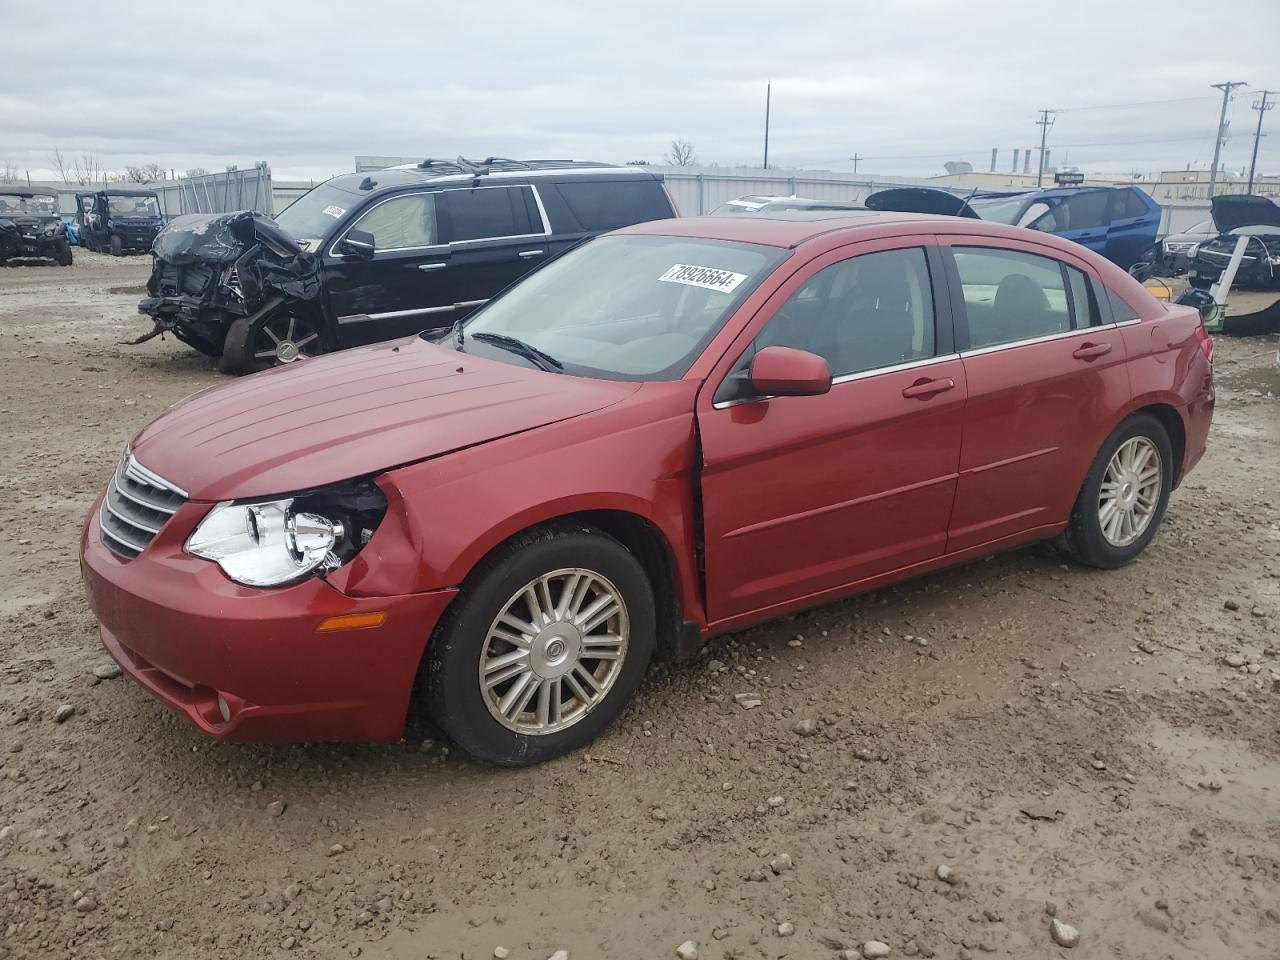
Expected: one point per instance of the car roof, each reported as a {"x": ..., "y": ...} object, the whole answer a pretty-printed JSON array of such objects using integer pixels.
[
  {"x": 445, "y": 172},
  {"x": 786, "y": 228}
]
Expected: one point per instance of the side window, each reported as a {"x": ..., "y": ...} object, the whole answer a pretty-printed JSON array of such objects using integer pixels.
[
  {"x": 867, "y": 312},
  {"x": 1088, "y": 209},
  {"x": 1084, "y": 310},
  {"x": 1010, "y": 295},
  {"x": 489, "y": 213},
  {"x": 1120, "y": 309},
  {"x": 1057, "y": 218},
  {"x": 607, "y": 205},
  {"x": 1133, "y": 204},
  {"x": 402, "y": 223}
]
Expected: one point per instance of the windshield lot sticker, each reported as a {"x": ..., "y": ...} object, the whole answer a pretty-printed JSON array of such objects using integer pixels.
[
  {"x": 334, "y": 212},
  {"x": 709, "y": 278}
]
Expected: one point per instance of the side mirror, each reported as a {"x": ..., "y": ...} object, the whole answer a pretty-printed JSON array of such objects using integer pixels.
[
  {"x": 358, "y": 243},
  {"x": 788, "y": 372}
]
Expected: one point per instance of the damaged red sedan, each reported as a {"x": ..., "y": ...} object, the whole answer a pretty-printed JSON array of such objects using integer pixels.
[{"x": 672, "y": 431}]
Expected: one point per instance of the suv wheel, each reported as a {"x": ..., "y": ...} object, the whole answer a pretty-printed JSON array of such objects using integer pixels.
[
  {"x": 272, "y": 341},
  {"x": 1124, "y": 495},
  {"x": 117, "y": 246},
  {"x": 543, "y": 648}
]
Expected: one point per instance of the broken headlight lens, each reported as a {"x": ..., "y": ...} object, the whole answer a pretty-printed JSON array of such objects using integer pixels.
[{"x": 272, "y": 543}]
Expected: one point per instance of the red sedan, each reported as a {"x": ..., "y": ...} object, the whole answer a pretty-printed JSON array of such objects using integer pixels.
[{"x": 673, "y": 431}]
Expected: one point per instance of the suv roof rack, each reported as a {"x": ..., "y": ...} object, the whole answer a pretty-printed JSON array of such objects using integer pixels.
[{"x": 479, "y": 168}]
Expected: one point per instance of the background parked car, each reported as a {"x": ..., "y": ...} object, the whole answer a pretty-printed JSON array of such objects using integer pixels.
[
  {"x": 1117, "y": 222},
  {"x": 30, "y": 226},
  {"x": 1235, "y": 216},
  {"x": 118, "y": 221},
  {"x": 365, "y": 258},
  {"x": 1178, "y": 249}
]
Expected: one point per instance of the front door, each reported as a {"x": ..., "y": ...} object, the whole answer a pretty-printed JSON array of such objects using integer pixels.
[
  {"x": 805, "y": 496},
  {"x": 1045, "y": 377},
  {"x": 405, "y": 287}
]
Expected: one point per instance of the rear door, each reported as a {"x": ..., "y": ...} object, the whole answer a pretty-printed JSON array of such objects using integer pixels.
[
  {"x": 497, "y": 234},
  {"x": 1081, "y": 217},
  {"x": 1135, "y": 221},
  {"x": 405, "y": 287},
  {"x": 806, "y": 495},
  {"x": 1046, "y": 378}
]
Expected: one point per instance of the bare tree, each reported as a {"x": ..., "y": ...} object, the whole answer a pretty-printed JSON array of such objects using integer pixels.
[
  {"x": 681, "y": 153},
  {"x": 146, "y": 173},
  {"x": 8, "y": 171},
  {"x": 60, "y": 166},
  {"x": 83, "y": 170}
]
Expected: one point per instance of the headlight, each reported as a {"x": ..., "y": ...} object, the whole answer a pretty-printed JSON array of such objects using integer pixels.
[
  {"x": 271, "y": 543},
  {"x": 1195, "y": 248}
]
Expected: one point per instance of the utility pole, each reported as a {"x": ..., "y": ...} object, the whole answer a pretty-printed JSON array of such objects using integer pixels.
[
  {"x": 1044, "y": 123},
  {"x": 855, "y": 158},
  {"x": 1226, "y": 89},
  {"x": 768, "y": 95},
  {"x": 1262, "y": 106}
]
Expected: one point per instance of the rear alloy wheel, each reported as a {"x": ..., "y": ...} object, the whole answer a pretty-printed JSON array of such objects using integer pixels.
[
  {"x": 547, "y": 641},
  {"x": 1124, "y": 495},
  {"x": 279, "y": 339}
]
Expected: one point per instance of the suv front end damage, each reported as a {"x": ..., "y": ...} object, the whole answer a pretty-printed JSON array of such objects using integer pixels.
[{"x": 211, "y": 270}]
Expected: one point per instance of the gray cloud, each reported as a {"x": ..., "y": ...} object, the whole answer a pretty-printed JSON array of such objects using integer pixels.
[{"x": 306, "y": 86}]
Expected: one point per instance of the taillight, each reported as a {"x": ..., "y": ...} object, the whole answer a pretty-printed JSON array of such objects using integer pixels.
[{"x": 1206, "y": 341}]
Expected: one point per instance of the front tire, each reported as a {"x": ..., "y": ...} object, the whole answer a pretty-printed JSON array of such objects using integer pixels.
[
  {"x": 117, "y": 246},
  {"x": 544, "y": 646},
  {"x": 278, "y": 339},
  {"x": 1124, "y": 496},
  {"x": 63, "y": 256}
]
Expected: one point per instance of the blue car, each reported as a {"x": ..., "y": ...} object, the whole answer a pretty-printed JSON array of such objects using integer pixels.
[{"x": 1119, "y": 223}]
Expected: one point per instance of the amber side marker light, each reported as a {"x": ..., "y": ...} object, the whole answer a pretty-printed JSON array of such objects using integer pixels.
[{"x": 352, "y": 621}]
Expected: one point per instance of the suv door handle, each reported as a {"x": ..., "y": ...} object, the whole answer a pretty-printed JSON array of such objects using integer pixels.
[
  {"x": 430, "y": 267},
  {"x": 1091, "y": 351},
  {"x": 924, "y": 389},
  {"x": 531, "y": 254}
]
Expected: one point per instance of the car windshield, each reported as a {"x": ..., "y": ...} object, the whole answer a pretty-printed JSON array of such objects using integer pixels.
[
  {"x": 125, "y": 206},
  {"x": 314, "y": 214},
  {"x": 1000, "y": 209},
  {"x": 625, "y": 307},
  {"x": 38, "y": 206}
]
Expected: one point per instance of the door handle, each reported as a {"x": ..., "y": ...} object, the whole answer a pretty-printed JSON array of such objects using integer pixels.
[
  {"x": 1091, "y": 351},
  {"x": 924, "y": 389},
  {"x": 531, "y": 254},
  {"x": 431, "y": 267}
]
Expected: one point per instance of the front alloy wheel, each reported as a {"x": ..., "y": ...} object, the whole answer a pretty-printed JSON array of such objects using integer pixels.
[
  {"x": 554, "y": 651},
  {"x": 285, "y": 338}
]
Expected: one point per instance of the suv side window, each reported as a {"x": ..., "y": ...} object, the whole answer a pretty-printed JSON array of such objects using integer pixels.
[
  {"x": 491, "y": 213},
  {"x": 600, "y": 205},
  {"x": 1133, "y": 205},
  {"x": 871, "y": 311},
  {"x": 1010, "y": 295},
  {"x": 402, "y": 223},
  {"x": 1088, "y": 209}
]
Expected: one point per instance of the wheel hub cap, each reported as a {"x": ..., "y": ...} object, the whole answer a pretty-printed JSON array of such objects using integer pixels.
[
  {"x": 287, "y": 352},
  {"x": 1130, "y": 491},
  {"x": 554, "y": 651}
]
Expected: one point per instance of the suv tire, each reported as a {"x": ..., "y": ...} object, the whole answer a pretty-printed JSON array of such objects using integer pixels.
[
  {"x": 1124, "y": 495},
  {"x": 576, "y": 574},
  {"x": 249, "y": 338},
  {"x": 117, "y": 246}
]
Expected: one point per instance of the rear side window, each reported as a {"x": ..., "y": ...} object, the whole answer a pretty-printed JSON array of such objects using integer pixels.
[
  {"x": 1084, "y": 309},
  {"x": 1120, "y": 309},
  {"x": 490, "y": 213},
  {"x": 1088, "y": 209},
  {"x": 871, "y": 311},
  {"x": 606, "y": 205},
  {"x": 1010, "y": 295},
  {"x": 1132, "y": 205},
  {"x": 402, "y": 223}
]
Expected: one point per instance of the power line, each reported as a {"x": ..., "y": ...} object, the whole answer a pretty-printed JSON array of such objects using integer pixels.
[{"x": 1138, "y": 103}]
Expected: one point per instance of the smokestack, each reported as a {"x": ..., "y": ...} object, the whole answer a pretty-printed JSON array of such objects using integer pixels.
[
  {"x": 994, "y": 151},
  {"x": 1026, "y": 160},
  {"x": 1014, "y": 168}
]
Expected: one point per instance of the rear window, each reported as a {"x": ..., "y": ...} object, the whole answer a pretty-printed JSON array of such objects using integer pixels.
[
  {"x": 490, "y": 213},
  {"x": 600, "y": 205}
]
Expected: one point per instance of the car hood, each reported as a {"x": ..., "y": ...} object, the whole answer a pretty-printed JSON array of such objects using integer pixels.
[
  {"x": 920, "y": 200},
  {"x": 1235, "y": 210},
  {"x": 221, "y": 237},
  {"x": 351, "y": 414}
]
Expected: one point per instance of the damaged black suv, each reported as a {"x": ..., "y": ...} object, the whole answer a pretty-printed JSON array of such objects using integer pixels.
[
  {"x": 365, "y": 258},
  {"x": 31, "y": 226}
]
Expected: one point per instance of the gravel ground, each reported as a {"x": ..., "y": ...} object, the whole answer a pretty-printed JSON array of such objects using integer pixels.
[{"x": 944, "y": 768}]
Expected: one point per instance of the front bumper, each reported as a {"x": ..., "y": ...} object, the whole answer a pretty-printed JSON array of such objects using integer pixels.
[
  {"x": 190, "y": 636},
  {"x": 39, "y": 245}
]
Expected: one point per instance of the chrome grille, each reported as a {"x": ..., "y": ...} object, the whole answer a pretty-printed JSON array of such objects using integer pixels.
[{"x": 137, "y": 505}]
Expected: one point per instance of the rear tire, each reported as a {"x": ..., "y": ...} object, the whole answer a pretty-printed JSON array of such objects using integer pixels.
[
  {"x": 117, "y": 246},
  {"x": 63, "y": 256},
  {"x": 1124, "y": 496},
  {"x": 278, "y": 339},
  {"x": 563, "y": 567}
]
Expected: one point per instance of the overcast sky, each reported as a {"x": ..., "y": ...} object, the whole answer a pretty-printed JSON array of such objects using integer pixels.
[{"x": 306, "y": 86}]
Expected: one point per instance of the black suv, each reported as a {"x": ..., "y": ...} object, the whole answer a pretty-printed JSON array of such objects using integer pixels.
[
  {"x": 366, "y": 258},
  {"x": 118, "y": 221},
  {"x": 30, "y": 226}
]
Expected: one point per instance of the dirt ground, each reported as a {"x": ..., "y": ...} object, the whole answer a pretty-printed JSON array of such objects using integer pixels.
[{"x": 1103, "y": 746}]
